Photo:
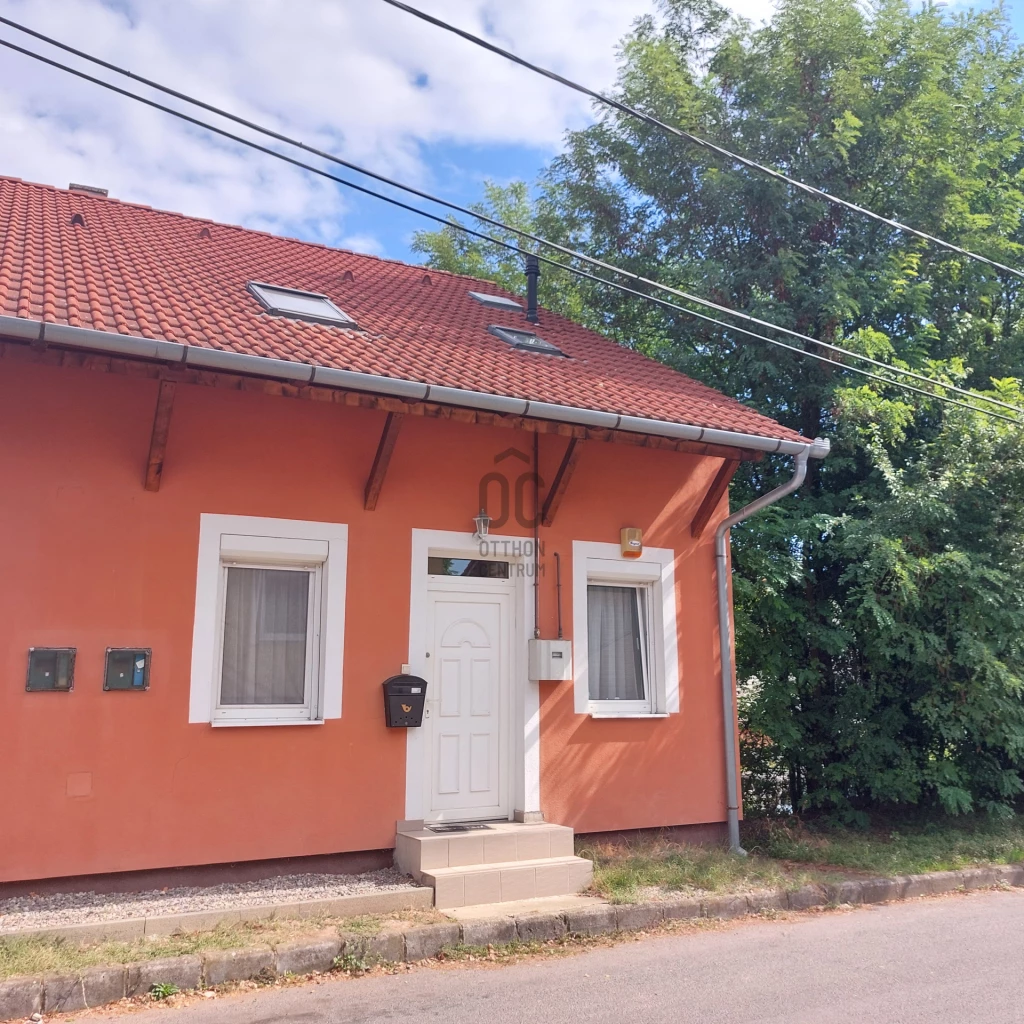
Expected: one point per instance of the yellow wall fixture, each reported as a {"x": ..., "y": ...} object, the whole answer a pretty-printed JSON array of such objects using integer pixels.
[{"x": 632, "y": 541}]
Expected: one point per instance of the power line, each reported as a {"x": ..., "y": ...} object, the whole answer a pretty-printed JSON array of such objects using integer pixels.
[
  {"x": 483, "y": 218},
  {"x": 511, "y": 246},
  {"x": 696, "y": 140}
]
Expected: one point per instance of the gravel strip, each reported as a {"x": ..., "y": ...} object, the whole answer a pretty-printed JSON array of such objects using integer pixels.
[{"x": 35, "y": 911}]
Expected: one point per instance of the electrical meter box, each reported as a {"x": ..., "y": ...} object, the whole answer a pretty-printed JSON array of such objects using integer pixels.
[
  {"x": 51, "y": 668},
  {"x": 550, "y": 660},
  {"x": 127, "y": 668}
]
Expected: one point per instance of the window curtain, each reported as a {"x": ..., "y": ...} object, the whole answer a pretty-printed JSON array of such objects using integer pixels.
[
  {"x": 615, "y": 664},
  {"x": 265, "y": 620}
]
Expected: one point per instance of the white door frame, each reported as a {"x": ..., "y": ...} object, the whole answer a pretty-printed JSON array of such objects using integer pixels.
[{"x": 523, "y": 728}]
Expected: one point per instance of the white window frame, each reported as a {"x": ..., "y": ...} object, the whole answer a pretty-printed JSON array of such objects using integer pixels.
[
  {"x": 331, "y": 315},
  {"x": 597, "y": 563},
  {"x": 649, "y": 705},
  {"x": 227, "y": 541},
  {"x": 309, "y": 709}
]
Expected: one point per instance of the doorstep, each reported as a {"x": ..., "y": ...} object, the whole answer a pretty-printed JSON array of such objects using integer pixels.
[{"x": 492, "y": 862}]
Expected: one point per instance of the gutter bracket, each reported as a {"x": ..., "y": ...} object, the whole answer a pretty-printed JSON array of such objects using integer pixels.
[{"x": 39, "y": 345}]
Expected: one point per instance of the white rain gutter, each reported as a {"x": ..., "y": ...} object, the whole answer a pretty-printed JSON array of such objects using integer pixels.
[
  {"x": 132, "y": 347},
  {"x": 817, "y": 449}
]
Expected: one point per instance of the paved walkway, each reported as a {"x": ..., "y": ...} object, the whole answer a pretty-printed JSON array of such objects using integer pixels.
[
  {"x": 52, "y": 910},
  {"x": 945, "y": 960}
]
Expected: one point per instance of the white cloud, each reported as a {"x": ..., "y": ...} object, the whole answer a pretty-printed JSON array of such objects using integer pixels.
[
  {"x": 356, "y": 77},
  {"x": 363, "y": 243}
]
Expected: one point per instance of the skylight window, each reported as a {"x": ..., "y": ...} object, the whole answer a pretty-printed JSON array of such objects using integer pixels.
[
  {"x": 526, "y": 340},
  {"x": 310, "y": 306},
  {"x": 496, "y": 302}
]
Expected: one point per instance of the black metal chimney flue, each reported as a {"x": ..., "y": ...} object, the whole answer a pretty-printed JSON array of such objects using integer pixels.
[{"x": 532, "y": 277}]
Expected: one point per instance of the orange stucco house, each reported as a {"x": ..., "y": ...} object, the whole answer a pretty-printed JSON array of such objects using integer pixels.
[{"x": 240, "y": 475}]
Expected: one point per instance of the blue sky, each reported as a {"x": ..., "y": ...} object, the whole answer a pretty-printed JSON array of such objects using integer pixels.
[
  {"x": 475, "y": 164},
  {"x": 355, "y": 77}
]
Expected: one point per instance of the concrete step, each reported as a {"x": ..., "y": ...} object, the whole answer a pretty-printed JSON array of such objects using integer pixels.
[
  {"x": 418, "y": 850},
  {"x": 503, "y": 882}
]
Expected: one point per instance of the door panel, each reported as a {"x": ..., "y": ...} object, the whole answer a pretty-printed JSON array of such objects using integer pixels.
[
  {"x": 448, "y": 763},
  {"x": 470, "y": 650}
]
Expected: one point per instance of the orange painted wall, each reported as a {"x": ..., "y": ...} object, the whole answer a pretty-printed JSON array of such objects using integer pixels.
[
  {"x": 96, "y": 782},
  {"x": 606, "y": 774}
]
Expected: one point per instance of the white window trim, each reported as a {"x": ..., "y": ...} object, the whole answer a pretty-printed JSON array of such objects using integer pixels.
[
  {"x": 599, "y": 562},
  {"x": 258, "y": 542}
]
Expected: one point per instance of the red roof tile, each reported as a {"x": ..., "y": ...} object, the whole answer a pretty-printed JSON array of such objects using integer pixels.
[{"x": 133, "y": 270}]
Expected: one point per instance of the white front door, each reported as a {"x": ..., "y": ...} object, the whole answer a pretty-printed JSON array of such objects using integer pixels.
[{"x": 469, "y": 629}]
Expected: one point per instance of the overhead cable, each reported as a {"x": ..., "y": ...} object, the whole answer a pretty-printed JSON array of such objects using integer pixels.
[
  {"x": 483, "y": 218},
  {"x": 447, "y": 222},
  {"x": 696, "y": 140}
]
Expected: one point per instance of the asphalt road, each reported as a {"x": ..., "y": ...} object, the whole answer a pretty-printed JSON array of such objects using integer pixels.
[{"x": 940, "y": 961}]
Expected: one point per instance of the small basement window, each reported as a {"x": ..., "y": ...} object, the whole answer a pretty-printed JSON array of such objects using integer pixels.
[
  {"x": 525, "y": 340},
  {"x": 309, "y": 306},
  {"x": 496, "y": 302}
]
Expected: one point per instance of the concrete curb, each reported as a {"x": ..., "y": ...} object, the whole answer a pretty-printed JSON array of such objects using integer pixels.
[
  {"x": 97, "y": 986},
  {"x": 413, "y": 898}
]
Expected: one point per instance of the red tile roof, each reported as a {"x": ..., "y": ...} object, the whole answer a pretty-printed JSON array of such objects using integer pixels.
[{"x": 133, "y": 270}]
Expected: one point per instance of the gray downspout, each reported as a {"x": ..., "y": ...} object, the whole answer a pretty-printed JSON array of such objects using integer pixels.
[{"x": 818, "y": 450}]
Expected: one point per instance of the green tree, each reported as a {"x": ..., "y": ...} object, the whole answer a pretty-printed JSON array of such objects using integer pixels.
[{"x": 879, "y": 613}]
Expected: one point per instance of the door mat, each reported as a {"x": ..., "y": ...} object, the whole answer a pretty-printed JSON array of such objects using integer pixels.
[{"x": 457, "y": 828}]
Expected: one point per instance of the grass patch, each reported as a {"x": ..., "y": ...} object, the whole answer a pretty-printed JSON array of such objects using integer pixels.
[
  {"x": 789, "y": 853},
  {"x": 628, "y": 871},
  {"x": 889, "y": 848},
  {"x": 20, "y": 956}
]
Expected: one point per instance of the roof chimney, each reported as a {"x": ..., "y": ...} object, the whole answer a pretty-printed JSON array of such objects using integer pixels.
[
  {"x": 532, "y": 277},
  {"x": 91, "y": 189}
]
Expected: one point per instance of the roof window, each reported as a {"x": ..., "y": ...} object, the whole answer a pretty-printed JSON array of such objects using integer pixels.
[
  {"x": 309, "y": 306},
  {"x": 496, "y": 302},
  {"x": 526, "y": 340}
]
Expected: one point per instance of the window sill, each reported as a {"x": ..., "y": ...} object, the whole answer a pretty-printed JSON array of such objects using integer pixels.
[
  {"x": 236, "y": 723},
  {"x": 613, "y": 714}
]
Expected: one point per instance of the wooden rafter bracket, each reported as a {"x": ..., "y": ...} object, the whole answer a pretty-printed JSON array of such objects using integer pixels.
[
  {"x": 388, "y": 437},
  {"x": 561, "y": 481},
  {"x": 364, "y": 400},
  {"x": 713, "y": 496},
  {"x": 161, "y": 428}
]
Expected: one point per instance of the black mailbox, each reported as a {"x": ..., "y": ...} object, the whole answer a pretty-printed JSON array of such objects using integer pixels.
[{"x": 403, "y": 701}]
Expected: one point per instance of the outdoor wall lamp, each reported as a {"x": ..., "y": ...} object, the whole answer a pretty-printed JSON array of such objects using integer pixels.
[{"x": 483, "y": 524}]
